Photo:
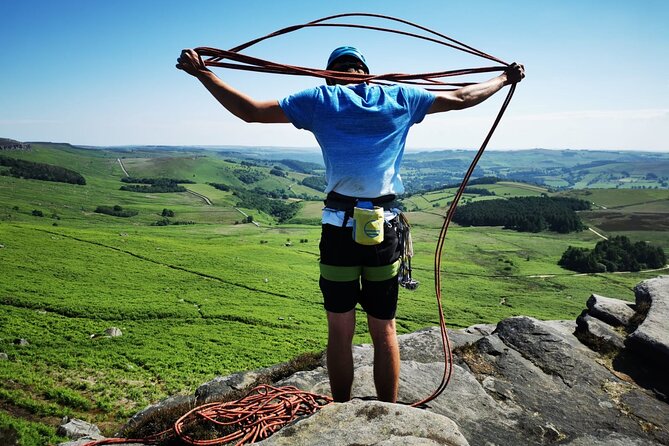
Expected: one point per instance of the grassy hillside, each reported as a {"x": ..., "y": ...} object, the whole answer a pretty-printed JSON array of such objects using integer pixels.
[{"x": 198, "y": 301}]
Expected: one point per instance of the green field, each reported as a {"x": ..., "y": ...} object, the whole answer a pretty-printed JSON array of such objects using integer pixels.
[{"x": 208, "y": 299}]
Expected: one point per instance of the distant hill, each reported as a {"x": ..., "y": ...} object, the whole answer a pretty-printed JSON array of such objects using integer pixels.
[
  {"x": 556, "y": 169},
  {"x": 430, "y": 177},
  {"x": 429, "y": 170}
]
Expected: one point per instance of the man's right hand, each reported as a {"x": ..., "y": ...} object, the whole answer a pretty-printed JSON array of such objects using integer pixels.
[
  {"x": 514, "y": 73},
  {"x": 191, "y": 62}
]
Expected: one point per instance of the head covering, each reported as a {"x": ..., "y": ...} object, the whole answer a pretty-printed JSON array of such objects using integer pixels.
[{"x": 347, "y": 51}]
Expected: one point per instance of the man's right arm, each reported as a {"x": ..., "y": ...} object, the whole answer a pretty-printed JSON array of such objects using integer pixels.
[{"x": 236, "y": 102}]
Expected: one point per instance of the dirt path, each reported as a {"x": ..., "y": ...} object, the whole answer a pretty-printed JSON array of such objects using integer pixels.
[
  {"x": 246, "y": 215},
  {"x": 597, "y": 233},
  {"x": 122, "y": 166},
  {"x": 544, "y": 276},
  {"x": 199, "y": 195}
]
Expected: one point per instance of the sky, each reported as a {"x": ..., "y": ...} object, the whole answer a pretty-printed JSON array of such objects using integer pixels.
[{"x": 102, "y": 72}]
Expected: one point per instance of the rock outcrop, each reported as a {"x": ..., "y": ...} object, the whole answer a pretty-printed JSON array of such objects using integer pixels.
[
  {"x": 10, "y": 144},
  {"x": 79, "y": 429},
  {"x": 370, "y": 423},
  {"x": 521, "y": 382},
  {"x": 651, "y": 338}
]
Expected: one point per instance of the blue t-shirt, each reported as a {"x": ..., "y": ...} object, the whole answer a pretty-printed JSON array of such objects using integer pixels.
[{"x": 362, "y": 130}]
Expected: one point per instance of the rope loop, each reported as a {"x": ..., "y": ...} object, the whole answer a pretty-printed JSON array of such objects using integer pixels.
[{"x": 430, "y": 81}]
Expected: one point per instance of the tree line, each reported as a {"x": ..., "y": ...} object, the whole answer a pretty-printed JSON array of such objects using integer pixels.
[
  {"x": 41, "y": 171},
  {"x": 155, "y": 185},
  {"x": 248, "y": 176},
  {"x": 155, "y": 180},
  {"x": 260, "y": 200},
  {"x": 524, "y": 214},
  {"x": 253, "y": 200},
  {"x": 301, "y": 166},
  {"x": 616, "y": 254},
  {"x": 116, "y": 211},
  {"x": 315, "y": 182}
]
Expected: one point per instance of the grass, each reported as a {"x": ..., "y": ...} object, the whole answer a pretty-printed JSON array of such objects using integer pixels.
[{"x": 200, "y": 301}]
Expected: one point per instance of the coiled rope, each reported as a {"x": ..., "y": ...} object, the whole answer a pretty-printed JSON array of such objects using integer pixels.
[{"x": 265, "y": 409}]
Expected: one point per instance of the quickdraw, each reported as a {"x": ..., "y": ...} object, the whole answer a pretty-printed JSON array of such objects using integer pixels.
[{"x": 406, "y": 253}]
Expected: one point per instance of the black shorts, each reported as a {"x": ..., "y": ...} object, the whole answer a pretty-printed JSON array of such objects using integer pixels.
[{"x": 352, "y": 273}]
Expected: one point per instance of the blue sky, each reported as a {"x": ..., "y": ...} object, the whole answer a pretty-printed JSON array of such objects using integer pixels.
[{"x": 102, "y": 72}]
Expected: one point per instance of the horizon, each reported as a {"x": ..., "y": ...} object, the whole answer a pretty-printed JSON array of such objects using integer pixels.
[
  {"x": 594, "y": 77},
  {"x": 316, "y": 149}
]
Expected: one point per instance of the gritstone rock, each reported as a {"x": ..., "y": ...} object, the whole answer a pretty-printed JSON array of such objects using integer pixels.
[
  {"x": 614, "y": 312},
  {"x": 651, "y": 337},
  {"x": 369, "y": 423},
  {"x": 113, "y": 332},
  {"x": 182, "y": 404},
  {"x": 598, "y": 335},
  {"x": 75, "y": 429}
]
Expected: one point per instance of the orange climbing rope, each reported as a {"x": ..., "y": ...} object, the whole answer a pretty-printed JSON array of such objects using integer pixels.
[
  {"x": 256, "y": 416},
  {"x": 266, "y": 409}
]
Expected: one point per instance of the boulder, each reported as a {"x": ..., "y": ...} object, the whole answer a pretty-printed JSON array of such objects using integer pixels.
[
  {"x": 369, "y": 423},
  {"x": 75, "y": 429},
  {"x": 3, "y": 356},
  {"x": 651, "y": 337},
  {"x": 481, "y": 329},
  {"x": 598, "y": 335},
  {"x": 113, "y": 332},
  {"x": 219, "y": 387},
  {"x": 614, "y": 312},
  {"x": 426, "y": 346}
]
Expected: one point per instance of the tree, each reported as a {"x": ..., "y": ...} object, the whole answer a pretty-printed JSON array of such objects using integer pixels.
[{"x": 616, "y": 254}]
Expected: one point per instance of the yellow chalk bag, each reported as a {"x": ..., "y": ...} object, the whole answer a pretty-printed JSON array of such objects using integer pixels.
[{"x": 368, "y": 225}]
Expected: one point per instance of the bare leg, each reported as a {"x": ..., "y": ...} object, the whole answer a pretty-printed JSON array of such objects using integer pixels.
[
  {"x": 341, "y": 327},
  {"x": 386, "y": 358}
]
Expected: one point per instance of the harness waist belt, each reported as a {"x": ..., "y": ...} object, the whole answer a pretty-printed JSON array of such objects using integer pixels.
[{"x": 341, "y": 202}]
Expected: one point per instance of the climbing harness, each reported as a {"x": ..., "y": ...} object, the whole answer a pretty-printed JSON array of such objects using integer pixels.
[{"x": 266, "y": 409}]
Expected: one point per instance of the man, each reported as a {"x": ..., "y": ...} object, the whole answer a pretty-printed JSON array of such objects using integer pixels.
[{"x": 361, "y": 130}]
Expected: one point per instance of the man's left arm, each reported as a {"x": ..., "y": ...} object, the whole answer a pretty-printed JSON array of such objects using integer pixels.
[{"x": 472, "y": 95}]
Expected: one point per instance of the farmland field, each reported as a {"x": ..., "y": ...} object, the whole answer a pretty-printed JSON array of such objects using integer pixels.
[{"x": 196, "y": 301}]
